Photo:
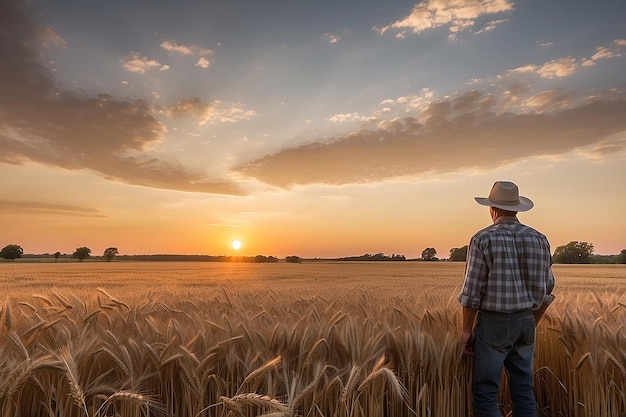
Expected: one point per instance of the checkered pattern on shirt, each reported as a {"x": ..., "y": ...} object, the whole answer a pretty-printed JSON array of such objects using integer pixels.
[{"x": 508, "y": 269}]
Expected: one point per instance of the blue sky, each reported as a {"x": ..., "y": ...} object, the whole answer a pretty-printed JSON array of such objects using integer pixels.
[{"x": 256, "y": 108}]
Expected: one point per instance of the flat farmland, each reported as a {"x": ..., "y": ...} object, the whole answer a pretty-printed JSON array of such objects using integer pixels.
[
  {"x": 313, "y": 339},
  {"x": 309, "y": 279},
  {"x": 315, "y": 278}
]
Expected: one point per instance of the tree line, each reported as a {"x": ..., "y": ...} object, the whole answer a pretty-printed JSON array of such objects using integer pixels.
[
  {"x": 574, "y": 252},
  {"x": 13, "y": 251}
]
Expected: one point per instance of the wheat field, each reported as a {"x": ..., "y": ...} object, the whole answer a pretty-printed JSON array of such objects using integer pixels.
[{"x": 314, "y": 339}]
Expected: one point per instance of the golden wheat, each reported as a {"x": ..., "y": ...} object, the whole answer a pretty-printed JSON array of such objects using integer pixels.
[
  {"x": 255, "y": 399},
  {"x": 302, "y": 342},
  {"x": 259, "y": 372}
]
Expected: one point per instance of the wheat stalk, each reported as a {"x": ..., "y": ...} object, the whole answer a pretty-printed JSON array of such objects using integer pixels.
[
  {"x": 30, "y": 306},
  {"x": 321, "y": 343},
  {"x": 120, "y": 303},
  {"x": 17, "y": 376},
  {"x": 390, "y": 378},
  {"x": 20, "y": 374},
  {"x": 7, "y": 315},
  {"x": 62, "y": 300},
  {"x": 259, "y": 372},
  {"x": 128, "y": 396},
  {"x": 19, "y": 345},
  {"x": 586, "y": 357},
  {"x": 44, "y": 298},
  {"x": 71, "y": 374},
  {"x": 34, "y": 328},
  {"x": 91, "y": 315},
  {"x": 236, "y": 403},
  {"x": 352, "y": 381}
]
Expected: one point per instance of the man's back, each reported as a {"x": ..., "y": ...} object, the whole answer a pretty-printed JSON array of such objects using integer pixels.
[{"x": 508, "y": 268}]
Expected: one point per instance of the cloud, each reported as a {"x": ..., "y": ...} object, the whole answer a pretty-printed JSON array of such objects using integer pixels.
[
  {"x": 233, "y": 113},
  {"x": 462, "y": 133},
  {"x": 40, "y": 123},
  {"x": 203, "y": 63},
  {"x": 33, "y": 207},
  {"x": 215, "y": 112},
  {"x": 458, "y": 15},
  {"x": 204, "y": 55},
  {"x": 49, "y": 36},
  {"x": 561, "y": 67},
  {"x": 135, "y": 62},
  {"x": 558, "y": 68},
  {"x": 550, "y": 100},
  {"x": 173, "y": 46},
  {"x": 524, "y": 69},
  {"x": 602, "y": 149},
  {"x": 492, "y": 25},
  {"x": 604, "y": 53},
  {"x": 612, "y": 51},
  {"x": 564, "y": 67},
  {"x": 347, "y": 117},
  {"x": 332, "y": 38},
  {"x": 192, "y": 106}
]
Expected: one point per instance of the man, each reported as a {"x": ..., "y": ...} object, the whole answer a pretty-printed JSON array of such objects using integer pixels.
[{"x": 508, "y": 286}]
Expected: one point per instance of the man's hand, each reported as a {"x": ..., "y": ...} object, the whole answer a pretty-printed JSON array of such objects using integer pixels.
[
  {"x": 539, "y": 313},
  {"x": 467, "y": 340}
]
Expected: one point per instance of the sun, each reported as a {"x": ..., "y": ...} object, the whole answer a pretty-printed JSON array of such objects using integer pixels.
[{"x": 236, "y": 244}]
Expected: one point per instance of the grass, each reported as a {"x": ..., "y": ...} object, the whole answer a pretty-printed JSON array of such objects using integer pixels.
[{"x": 319, "y": 339}]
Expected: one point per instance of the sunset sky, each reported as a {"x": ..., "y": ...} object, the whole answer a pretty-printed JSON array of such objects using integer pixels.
[{"x": 311, "y": 128}]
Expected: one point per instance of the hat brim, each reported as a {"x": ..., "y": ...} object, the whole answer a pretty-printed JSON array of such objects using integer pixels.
[{"x": 525, "y": 204}]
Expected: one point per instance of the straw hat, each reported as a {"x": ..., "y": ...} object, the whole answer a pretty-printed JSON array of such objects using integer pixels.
[{"x": 505, "y": 195}]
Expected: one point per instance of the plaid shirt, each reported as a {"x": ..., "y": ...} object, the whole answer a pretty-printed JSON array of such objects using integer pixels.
[{"x": 508, "y": 269}]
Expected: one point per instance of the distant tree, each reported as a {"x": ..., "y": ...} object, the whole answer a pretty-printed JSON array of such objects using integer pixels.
[
  {"x": 265, "y": 259},
  {"x": 11, "y": 252},
  {"x": 109, "y": 253},
  {"x": 377, "y": 257},
  {"x": 573, "y": 253},
  {"x": 429, "y": 254},
  {"x": 293, "y": 259},
  {"x": 81, "y": 253},
  {"x": 621, "y": 258},
  {"x": 603, "y": 259},
  {"x": 56, "y": 255},
  {"x": 458, "y": 254}
]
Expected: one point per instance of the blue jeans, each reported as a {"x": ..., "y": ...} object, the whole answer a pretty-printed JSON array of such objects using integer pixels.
[{"x": 504, "y": 340}]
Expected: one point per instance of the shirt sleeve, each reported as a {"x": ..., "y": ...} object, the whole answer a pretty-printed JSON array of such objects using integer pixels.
[
  {"x": 476, "y": 273},
  {"x": 549, "y": 298}
]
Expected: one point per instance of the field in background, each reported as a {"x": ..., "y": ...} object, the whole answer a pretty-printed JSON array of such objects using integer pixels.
[{"x": 311, "y": 339}]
